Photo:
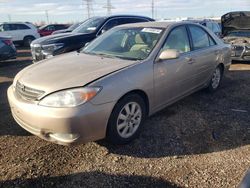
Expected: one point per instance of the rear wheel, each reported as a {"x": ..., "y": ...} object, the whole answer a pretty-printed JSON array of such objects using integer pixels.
[
  {"x": 27, "y": 41},
  {"x": 126, "y": 119},
  {"x": 215, "y": 80}
]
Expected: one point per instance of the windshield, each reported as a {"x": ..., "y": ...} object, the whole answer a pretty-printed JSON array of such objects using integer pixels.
[
  {"x": 239, "y": 34},
  {"x": 72, "y": 27},
  {"x": 129, "y": 43},
  {"x": 89, "y": 26}
]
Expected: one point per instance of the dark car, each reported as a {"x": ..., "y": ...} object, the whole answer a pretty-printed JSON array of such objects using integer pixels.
[
  {"x": 49, "y": 29},
  {"x": 70, "y": 29},
  {"x": 236, "y": 31},
  {"x": 7, "y": 49},
  {"x": 210, "y": 24},
  {"x": 49, "y": 46}
]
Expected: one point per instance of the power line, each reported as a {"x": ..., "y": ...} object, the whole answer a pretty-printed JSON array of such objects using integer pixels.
[
  {"x": 47, "y": 16},
  {"x": 153, "y": 8},
  {"x": 108, "y": 7},
  {"x": 89, "y": 7}
]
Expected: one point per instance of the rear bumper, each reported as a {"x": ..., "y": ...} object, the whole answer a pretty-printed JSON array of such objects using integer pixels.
[
  {"x": 77, "y": 125},
  {"x": 8, "y": 53}
]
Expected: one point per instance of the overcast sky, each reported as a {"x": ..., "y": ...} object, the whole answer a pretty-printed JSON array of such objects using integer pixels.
[{"x": 75, "y": 10}]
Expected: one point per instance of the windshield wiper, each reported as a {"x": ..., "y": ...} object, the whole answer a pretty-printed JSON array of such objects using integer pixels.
[{"x": 129, "y": 58}]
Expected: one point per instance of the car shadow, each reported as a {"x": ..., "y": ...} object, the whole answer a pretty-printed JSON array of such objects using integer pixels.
[
  {"x": 90, "y": 179},
  {"x": 200, "y": 123}
]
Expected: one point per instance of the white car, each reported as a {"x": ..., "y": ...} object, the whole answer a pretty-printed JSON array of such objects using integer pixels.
[{"x": 22, "y": 33}]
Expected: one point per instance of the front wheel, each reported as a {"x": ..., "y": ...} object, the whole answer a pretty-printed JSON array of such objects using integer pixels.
[
  {"x": 215, "y": 80},
  {"x": 27, "y": 41},
  {"x": 126, "y": 119}
]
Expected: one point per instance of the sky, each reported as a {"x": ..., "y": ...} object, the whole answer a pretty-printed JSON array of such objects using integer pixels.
[{"x": 65, "y": 11}]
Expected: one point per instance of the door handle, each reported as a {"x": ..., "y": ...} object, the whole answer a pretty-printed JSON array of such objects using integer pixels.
[{"x": 190, "y": 60}]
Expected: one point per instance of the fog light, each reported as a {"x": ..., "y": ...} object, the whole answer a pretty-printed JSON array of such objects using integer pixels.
[{"x": 64, "y": 137}]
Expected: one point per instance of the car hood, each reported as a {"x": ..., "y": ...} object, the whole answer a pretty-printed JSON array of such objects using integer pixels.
[
  {"x": 62, "y": 31},
  {"x": 242, "y": 41},
  {"x": 56, "y": 37},
  {"x": 68, "y": 71},
  {"x": 235, "y": 21}
]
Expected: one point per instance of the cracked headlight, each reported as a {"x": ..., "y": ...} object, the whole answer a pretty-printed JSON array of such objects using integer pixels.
[{"x": 70, "y": 97}]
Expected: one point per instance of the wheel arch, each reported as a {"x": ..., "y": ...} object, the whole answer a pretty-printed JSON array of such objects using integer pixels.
[{"x": 142, "y": 94}]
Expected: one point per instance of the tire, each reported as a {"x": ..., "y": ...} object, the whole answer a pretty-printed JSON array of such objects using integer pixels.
[
  {"x": 122, "y": 127},
  {"x": 215, "y": 80},
  {"x": 27, "y": 41}
]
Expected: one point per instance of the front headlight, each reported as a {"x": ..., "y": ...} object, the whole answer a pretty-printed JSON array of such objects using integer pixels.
[
  {"x": 70, "y": 97},
  {"x": 50, "y": 48}
]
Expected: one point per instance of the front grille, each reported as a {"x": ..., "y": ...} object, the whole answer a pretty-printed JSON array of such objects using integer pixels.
[
  {"x": 27, "y": 92},
  {"x": 237, "y": 50}
]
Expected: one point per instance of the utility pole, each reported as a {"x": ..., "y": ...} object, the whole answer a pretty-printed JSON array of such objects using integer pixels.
[
  {"x": 88, "y": 6},
  {"x": 109, "y": 7},
  {"x": 153, "y": 8},
  {"x": 47, "y": 16},
  {"x": 9, "y": 17}
]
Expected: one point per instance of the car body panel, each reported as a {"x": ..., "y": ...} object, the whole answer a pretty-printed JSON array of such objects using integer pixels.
[
  {"x": 163, "y": 82},
  {"x": 84, "y": 69}
]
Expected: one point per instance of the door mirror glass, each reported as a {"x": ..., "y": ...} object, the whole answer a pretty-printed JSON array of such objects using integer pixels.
[
  {"x": 169, "y": 54},
  {"x": 86, "y": 44},
  {"x": 103, "y": 31}
]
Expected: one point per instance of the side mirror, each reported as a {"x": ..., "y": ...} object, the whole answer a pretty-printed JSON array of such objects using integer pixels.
[
  {"x": 103, "y": 31},
  {"x": 86, "y": 44},
  {"x": 169, "y": 54}
]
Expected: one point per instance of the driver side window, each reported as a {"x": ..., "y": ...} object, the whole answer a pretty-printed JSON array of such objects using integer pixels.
[{"x": 178, "y": 40}]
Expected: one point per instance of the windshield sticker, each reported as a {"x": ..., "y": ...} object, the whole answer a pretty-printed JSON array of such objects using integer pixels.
[
  {"x": 151, "y": 30},
  {"x": 91, "y": 28}
]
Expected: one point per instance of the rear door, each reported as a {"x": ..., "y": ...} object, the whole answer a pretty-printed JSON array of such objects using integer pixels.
[
  {"x": 205, "y": 51},
  {"x": 22, "y": 30}
]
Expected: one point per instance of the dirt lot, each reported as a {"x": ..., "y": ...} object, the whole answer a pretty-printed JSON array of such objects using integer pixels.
[{"x": 201, "y": 141}]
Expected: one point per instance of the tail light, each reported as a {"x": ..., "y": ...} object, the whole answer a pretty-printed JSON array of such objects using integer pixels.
[{"x": 8, "y": 42}]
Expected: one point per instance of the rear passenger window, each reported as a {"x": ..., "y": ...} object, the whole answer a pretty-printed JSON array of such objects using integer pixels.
[
  {"x": 178, "y": 40},
  {"x": 200, "y": 38},
  {"x": 21, "y": 27}
]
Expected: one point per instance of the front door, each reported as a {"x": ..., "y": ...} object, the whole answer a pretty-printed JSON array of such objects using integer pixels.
[{"x": 173, "y": 78}]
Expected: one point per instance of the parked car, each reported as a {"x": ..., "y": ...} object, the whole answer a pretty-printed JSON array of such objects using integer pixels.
[
  {"x": 66, "y": 42},
  {"x": 7, "y": 49},
  {"x": 49, "y": 29},
  {"x": 212, "y": 25},
  {"x": 70, "y": 29},
  {"x": 109, "y": 88},
  {"x": 236, "y": 31},
  {"x": 22, "y": 33}
]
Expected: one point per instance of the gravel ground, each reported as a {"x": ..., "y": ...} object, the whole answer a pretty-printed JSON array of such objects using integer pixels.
[{"x": 201, "y": 141}]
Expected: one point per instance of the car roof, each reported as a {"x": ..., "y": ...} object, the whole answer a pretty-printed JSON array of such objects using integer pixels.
[
  {"x": 15, "y": 23},
  {"x": 123, "y": 15},
  {"x": 135, "y": 16},
  {"x": 156, "y": 24}
]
